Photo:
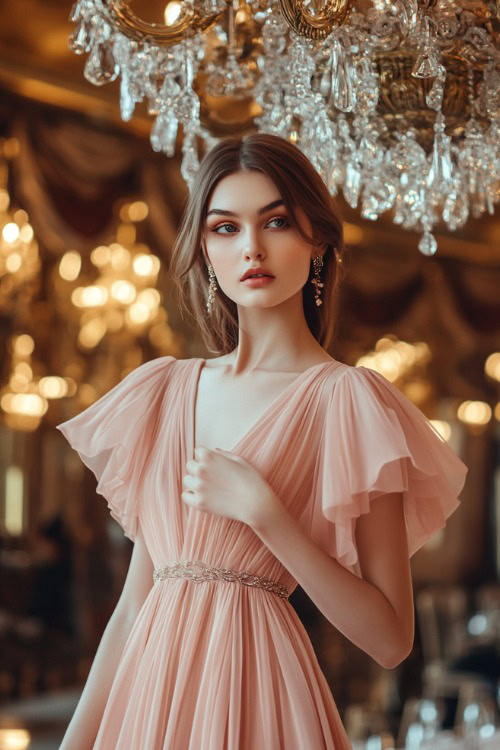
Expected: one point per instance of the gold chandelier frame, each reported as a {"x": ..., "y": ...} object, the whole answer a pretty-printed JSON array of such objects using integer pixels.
[{"x": 312, "y": 26}]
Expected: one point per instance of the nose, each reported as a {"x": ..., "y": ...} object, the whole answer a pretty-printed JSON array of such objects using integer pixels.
[{"x": 252, "y": 246}]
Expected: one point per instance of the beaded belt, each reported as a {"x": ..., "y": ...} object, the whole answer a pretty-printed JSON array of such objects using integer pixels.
[{"x": 197, "y": 571}]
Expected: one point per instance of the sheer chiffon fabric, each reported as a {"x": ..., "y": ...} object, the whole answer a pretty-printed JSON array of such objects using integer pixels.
[{"x": 217, "y": 665}]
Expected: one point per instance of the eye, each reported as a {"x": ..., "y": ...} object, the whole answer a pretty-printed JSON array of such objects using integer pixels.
[
  {"x": 228, "y": 224},
  {"x": 216, "y": 229},
  {"x": 281, "y": 218}
]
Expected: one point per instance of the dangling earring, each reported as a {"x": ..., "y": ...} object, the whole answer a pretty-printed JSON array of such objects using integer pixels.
[
  {"x": 212, "y": 288},
  {"x": 318, "y": 265}
]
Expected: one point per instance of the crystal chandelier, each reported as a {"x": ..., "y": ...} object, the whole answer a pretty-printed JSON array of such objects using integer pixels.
[{"x": 395, "y": 102}]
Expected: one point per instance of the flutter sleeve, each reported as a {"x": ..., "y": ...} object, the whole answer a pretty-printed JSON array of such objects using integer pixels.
[
  {"x": 112, "y": 437},
  {"x": 376, "y": 441}
]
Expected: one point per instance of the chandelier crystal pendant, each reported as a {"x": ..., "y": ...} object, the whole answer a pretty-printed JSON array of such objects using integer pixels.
[{"x": 397, "y": 103}]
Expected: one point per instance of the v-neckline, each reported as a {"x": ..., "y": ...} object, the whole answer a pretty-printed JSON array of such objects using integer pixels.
[{"x": 199, "y": 365}]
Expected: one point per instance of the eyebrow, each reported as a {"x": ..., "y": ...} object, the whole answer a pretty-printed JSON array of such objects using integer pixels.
[{"x": 223, "y": 212}]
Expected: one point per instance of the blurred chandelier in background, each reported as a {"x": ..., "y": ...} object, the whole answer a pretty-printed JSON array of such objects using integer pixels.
[
  {"x": 108, "y": 300},
  {"x": 396, "y": 103}
]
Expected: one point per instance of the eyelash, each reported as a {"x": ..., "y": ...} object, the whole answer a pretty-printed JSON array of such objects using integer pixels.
[{"x": 229, "y": 224}]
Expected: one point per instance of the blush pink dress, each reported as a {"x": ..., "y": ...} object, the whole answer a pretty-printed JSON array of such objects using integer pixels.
[{"x": 220, "y": 665}]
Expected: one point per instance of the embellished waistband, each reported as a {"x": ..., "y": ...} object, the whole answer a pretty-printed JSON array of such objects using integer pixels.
[{"x": 197, "y": 571}]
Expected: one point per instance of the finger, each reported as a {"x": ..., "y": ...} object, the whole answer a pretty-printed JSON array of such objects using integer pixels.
[{"x": 189, "y": 482}]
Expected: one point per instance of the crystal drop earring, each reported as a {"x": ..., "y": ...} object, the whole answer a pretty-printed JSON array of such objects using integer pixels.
[
  {"x": 318, "y": 265},
  {"x": 212, "y": 288}
]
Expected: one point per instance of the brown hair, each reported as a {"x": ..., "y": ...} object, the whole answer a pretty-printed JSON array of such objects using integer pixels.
[{"x": 299, "y": 184}]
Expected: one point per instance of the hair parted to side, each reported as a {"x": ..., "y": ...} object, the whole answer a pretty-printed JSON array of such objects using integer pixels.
[{"x": 299, "y": 184}]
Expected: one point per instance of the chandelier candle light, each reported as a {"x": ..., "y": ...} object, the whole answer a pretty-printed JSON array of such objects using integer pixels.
[{"x": 395, "y": 102}]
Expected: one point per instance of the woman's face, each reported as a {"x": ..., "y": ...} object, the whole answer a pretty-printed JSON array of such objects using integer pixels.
[{"x": 239, "y": 235}]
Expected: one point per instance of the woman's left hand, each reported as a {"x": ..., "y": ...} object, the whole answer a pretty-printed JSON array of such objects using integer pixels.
[{"x": 228, "y": 485}]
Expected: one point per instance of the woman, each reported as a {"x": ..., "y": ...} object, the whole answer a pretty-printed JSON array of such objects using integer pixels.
[{"x": 239, "y": 476}]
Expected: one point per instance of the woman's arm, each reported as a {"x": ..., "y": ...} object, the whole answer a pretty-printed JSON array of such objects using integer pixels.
[
  {"x": 375, "y": 612},
  {"x": 84, "y": 725}
]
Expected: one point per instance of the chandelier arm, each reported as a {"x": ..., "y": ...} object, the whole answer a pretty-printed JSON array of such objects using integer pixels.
[
  {"x": 119, "y": 14},
  {"x": 321, "y": 24}
]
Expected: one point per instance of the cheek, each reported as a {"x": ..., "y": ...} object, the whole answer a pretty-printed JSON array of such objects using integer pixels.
[
  {"x": 215, "y": 248},
  {"x": 227, "y": 266},
  {"x": 296, "y": 262}
]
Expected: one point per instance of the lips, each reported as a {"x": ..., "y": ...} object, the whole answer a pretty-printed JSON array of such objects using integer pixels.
[{"x": 256, "y": 271}]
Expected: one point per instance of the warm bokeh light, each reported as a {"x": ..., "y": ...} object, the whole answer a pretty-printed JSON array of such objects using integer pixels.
[
  {"x": 90, "y": 296},
  {"x": 4, "y": 200},
  {"x": 149, "y": 297},
  {"x": 14, "y": 739},
  {"x": 474, "y": 412},
  {"x": 10, "y": 232},
  {"x": 26, "y": 233},
  {"x": 92, "y": 332},
  {"x": 20, "y": 217},
  {"x": 145, "y": 265},
  {"x": 19, "y": 383},
  {"x": 393, "y": 358},
  {"x": 136, "y": 211},
  {"x": 27, "y": 404},
  {"x": 23, "y": 345},
  {"x": 52, "y": 386},
  {"x": 492, "y": 366},
  {"x": 93, "y": 296},
  {"x": 120, "y": 256},
  {"x": 70, "y": 265},
  {"x": 23, "y": 369},
  {"x": 138, "y": 313},
  {"x": 100, "y": 256},
  {"x": 13, "y": 262},
  {"x": 123, "y": 291}
]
